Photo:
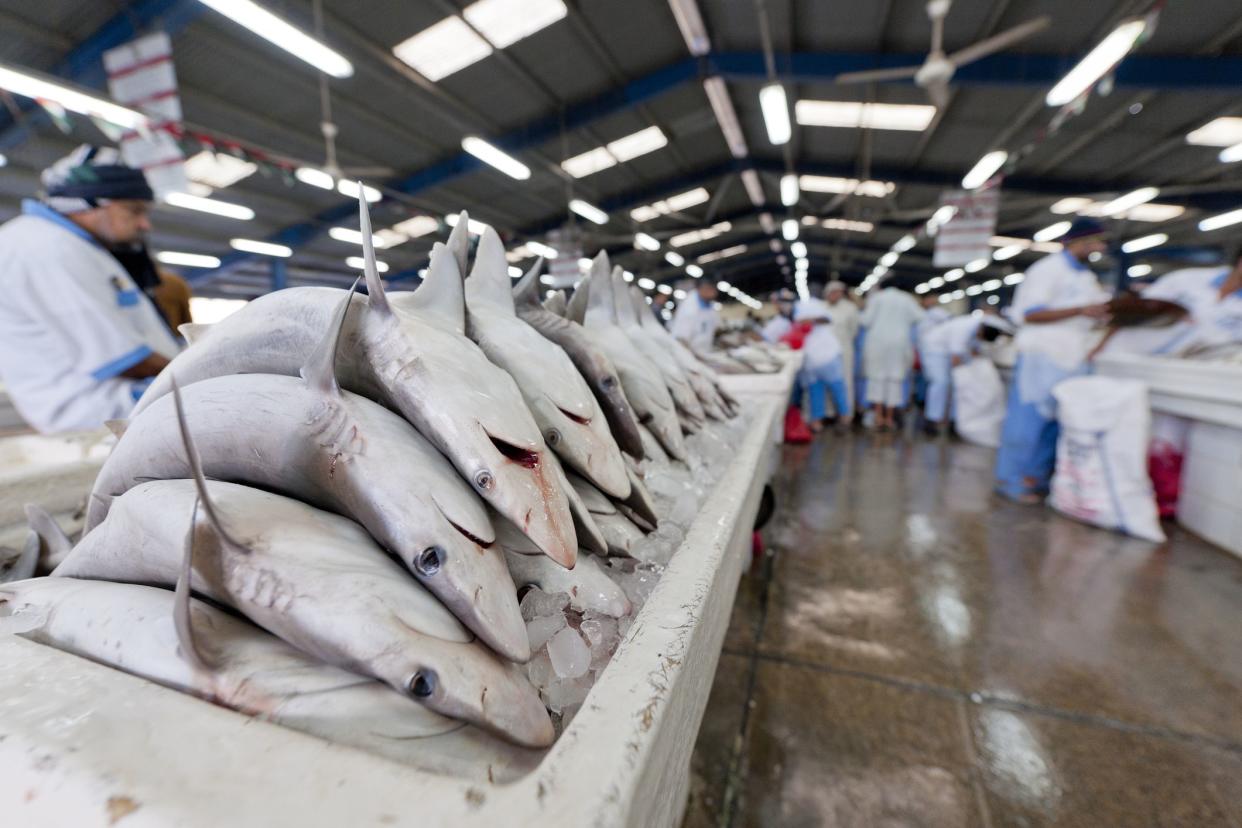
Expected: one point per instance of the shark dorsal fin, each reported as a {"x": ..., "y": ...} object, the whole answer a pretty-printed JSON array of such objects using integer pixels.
[
  {"x": 117, "y": 427},
  {"x": 320, "y": 368},
  {"x": 575, "y": 309},
  {"x": 489, "y": 279},
  {"x": 642, "y": 314},
  {"x": 196, "y": 472},
  {"x": 375, "y": 286},
  {"x": 459, "y": 242},
  {"x": 557, "y": 303},
  {"x": 193, "y": 331},
  {"x": 181, "y": 602},
  {"x": 621, "y": 298},
  {"x": 600, "y": 305},
  {"x": 526, "y": 291},
  {"x": 441, "y": 294},
  {"x": 53, "y": 543}
]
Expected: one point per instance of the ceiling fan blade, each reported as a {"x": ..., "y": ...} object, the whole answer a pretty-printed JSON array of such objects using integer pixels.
[
  {"x": 937, "y": 44},
  {"x": 938, "y": 93},
  {"x": 878, "y": 75},
  {"x": 368, "y": 172},
  {"x": 999, "y": 42}
]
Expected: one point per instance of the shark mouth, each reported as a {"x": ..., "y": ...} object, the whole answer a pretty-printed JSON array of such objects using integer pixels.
[{"x": 523, "y": 457}]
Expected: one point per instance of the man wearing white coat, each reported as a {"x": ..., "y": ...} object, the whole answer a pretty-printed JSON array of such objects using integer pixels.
[
  {"x": 888, "y": 354},
  {"x": 845, "y": 325},
  {"x": 1058, "y": 305},
  {"x": 696, "y": 319},
  {"x": 947, "y": 346},
  {"x": 78, "y": 338}
]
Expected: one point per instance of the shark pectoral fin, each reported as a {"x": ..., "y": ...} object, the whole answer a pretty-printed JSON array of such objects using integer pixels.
[
  {"x": 526, "y": 291},
  {"x": 320, "y": 368},
  {"x": 181, "y": 604},
  {"x": 117, "y": 427},
  {"x": 53, "y": 545},
  {"x": 376, "y": 298},
  {"x": 200, "y": 480},
  {"x": 192, "y": 331}
]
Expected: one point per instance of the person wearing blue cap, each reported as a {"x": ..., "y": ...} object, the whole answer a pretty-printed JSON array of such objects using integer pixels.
[
  {"x": 78, "y": 338},
  {"x": 1058, "y": 306}
]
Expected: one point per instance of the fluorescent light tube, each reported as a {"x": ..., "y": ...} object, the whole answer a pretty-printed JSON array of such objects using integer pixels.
[
  {"x": 209, "y": 205},
  {"x": 541, "y": 249},
  {"x": 722, "y": 254},
  {"x": 217, "y": 170},
  {"x": 954, "y": 274},
  {"x": 1231, "y": 154},
  {"x": 1015, "y": 278},
  {"x": 639, "y": 143},
  {"x": 935, "y": 282},
  {"x": 646, "y": 242},
  {"x": 504, "y": 22},
  {"x": 667, "y": 290},
  {"x": 1145, "y": 242},
  {"x": 1098, "y": 62},
  {"x": 345, "y": 234},
  {"x": 349, "y": 189},
  {"x": 976, "y": 265},
  {"x": 693, "y": 270},
  {"x": 798, "y": 249},
  {"x": 473, "y": 226},
  {"x": 41, "y": 87},
  {"x": 443, "y": 48},
  {"x": 905, "y": 243},
  {"x": 984, "y": 169},
  {"x": 262, "y": 248},
  {"x": 646, "y": 284},
  {"x": 359, "y": 263},
  {"x": 589, "y": 162},
  {"x": 847, "y": 224},
  {"x": 1130, "y": 200},
  {"x": 726, "y": 115},
  {"x": 1052, "y": 231},
  {"x": 495, "y": 157},
  {"x": 280, "y": 33},
  {"x": 675, "y": 259},
  {"x": 170, "y": 257},
  {"x": 920, "y": 289},
  {"x": 1135, "y": 271},
  {"x": 315, "y": 178},
  {"x": 849, "y": 114},
  {"x": 690, "y": 22},
  {"x": 974, "y": 290},
  {"x": 789, "y": 229},
  {"x": 1008, "y": 252},
  {"x": 515, "y": 272},
  {"x": 1220, "y": 132},
  {"x": 889, "y": 259},
  {"x": 417, "y": 226},
  {"x": 588, "y": 211},
  {"x": 789, "y": 189},
  {"x": 802, "y": 264},
  {"x": 775, "y": 113},
  {"x": 1221, "y": 220},
  {"x": 833, "y": 184},
  {"x": 992, "y": 284}
]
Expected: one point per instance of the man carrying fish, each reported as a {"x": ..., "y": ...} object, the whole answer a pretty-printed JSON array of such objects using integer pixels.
[{"x": 77, "y": 336}]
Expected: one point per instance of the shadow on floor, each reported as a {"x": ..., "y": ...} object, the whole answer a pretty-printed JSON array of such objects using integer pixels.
[{"x": 915, "y": 651}]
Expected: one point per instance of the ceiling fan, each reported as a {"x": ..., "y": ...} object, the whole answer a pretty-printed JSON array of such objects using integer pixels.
[{"x": 936, "y": 72}]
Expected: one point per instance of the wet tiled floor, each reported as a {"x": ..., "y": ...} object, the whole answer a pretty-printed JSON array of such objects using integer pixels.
[{"x": 916, "y": 652}]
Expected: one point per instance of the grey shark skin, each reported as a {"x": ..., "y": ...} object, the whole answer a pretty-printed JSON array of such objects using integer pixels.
[
  {"x": 130, "y": 627},
  {"x": 408, "y": 353},
  {"x": 641, "y": 380},
  {"x": 340, "y": 452},
  {"x": 684, "y": 398},
  {"x": 701, "y": 382},
  {"x": 621, "y": 534},
  {"x": 564, "y": 407},
  {"x": 557, "y": 304},
  {"x": 316, "y": 580},
  {"x": 589, "y": 359}
]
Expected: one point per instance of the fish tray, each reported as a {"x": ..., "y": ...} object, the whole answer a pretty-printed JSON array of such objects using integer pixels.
[{"x": 83, "y": 744}]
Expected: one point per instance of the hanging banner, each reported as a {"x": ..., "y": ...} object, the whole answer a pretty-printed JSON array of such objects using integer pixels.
[
  {"x": 564, "y": 271},
  {"x": 141, "y": 76},
  {"x": 966, "y": 236}
]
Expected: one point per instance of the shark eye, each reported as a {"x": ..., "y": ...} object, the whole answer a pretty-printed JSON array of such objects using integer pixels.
[
  {"x": 429, "y": 560},
  {"x": 423, "y": 684},
  {"x": 483, "y": 480},
  {"x": 609, "y": 382},
  {"x": 553, "y": 437}
]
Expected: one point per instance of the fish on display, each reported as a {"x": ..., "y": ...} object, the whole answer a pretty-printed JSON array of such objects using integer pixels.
[
  {"x": 621, "y": 533},
  {"x": 587, "y": 584},
  {"x": 556, "y": 303},
  {"x": 309, "y": 439},
  {"x": 20, "y": 564},
  {"x": 684, "y": 398},
  {"x": 142, "y": 630},
  {"x": 588, "y": 358},
  {"x": 592, "y": 304},
  {"x": 316, "y": 580},
  {"x": 716, "y": 404},
  {"x": 564, "y": 407},
  {"x": 411, "y": 356}
]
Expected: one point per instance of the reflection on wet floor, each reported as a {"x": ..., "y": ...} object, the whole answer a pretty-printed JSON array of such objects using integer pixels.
[{"x": 917, "y": 652}]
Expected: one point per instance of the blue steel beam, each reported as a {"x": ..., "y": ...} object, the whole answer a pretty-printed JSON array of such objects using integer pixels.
[{"x": 83, "y": 64}]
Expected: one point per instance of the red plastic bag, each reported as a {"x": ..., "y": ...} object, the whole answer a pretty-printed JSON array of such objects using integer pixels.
[
  {"x": 1164, "y": 465},
  {"x": 797, "y": 335},
  {"x": 796, "y": 430}
]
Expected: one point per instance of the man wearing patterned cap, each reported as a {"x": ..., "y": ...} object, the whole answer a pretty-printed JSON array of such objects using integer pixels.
[
  {"x": 1058, "y": 306},
  {"x": 78, "y": 339}
]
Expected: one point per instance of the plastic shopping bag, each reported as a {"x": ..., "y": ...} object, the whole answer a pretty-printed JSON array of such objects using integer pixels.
[
  {"x": 1101, "y": 472},
  {"x": 796, "y": 430},
  {"x": 978, "y": 402},
  {"x": 1164, "y": 460}
]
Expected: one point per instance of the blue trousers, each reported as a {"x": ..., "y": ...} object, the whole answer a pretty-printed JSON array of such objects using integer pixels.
[
  {"x": 818, "y": 382},
  {"x": 1028, "y": 446},
  {"x": 937, "y": 369}
]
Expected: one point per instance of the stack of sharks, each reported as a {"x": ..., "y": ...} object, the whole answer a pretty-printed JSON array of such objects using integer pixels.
[{"x": 324, "y": 510}]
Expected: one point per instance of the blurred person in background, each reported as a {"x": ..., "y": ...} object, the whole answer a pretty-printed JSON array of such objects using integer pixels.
[
  {"x": 696, "y": 319},
  {"x": 889, "y": 318},
  {"x": 1058, "y": 306},
  {"x": 946, "y": 346},
  {"x": 822, "y": 370},
  {"x": 774, "y": 329},
  {"x": 845, "y": 316},
  {"x": 79, "y": 339}
]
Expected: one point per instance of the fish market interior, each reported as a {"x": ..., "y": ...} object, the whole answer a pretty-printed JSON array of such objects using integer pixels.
[{"x": 706, "y": 413}]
